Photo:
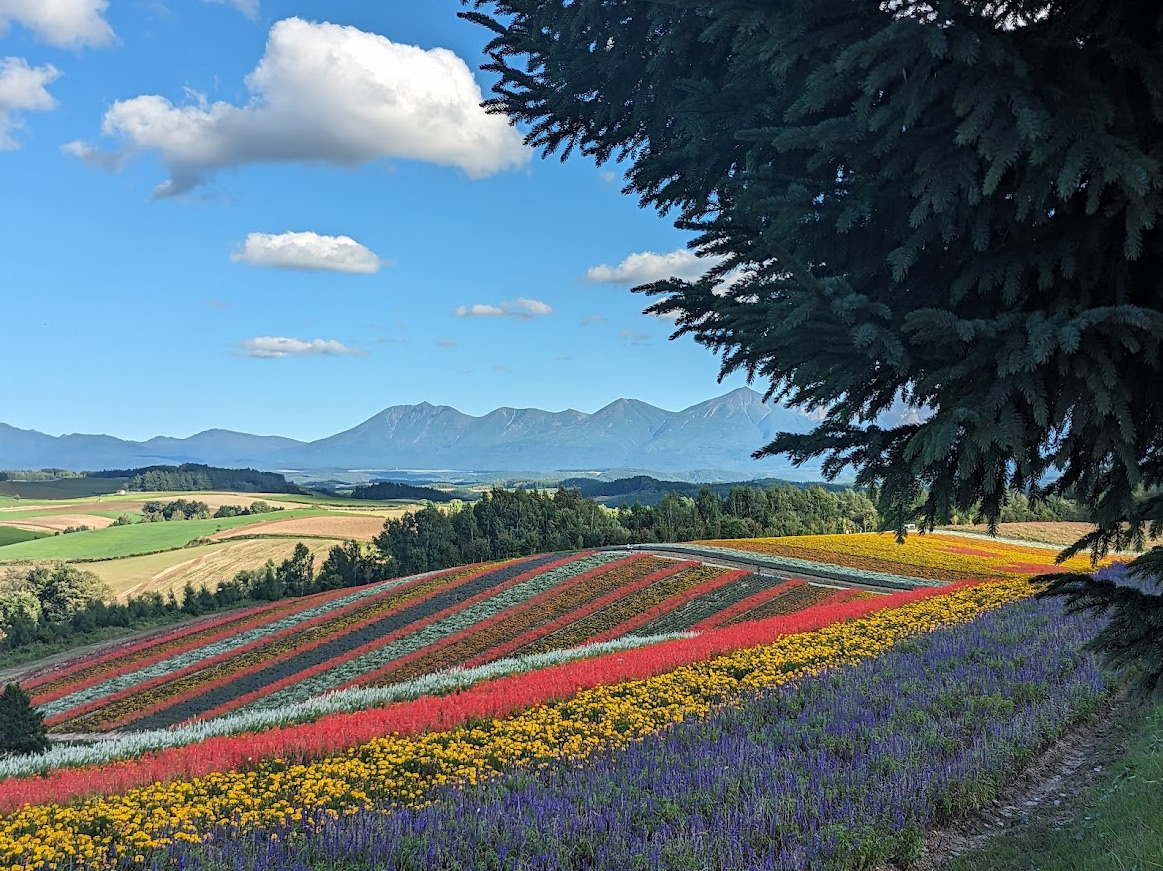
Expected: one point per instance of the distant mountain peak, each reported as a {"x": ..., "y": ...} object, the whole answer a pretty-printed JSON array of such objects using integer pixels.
[{"x": 719, "y": 433}]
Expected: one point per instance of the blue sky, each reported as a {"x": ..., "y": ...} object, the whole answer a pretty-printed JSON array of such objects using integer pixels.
[{"x": 281, "y": 217}]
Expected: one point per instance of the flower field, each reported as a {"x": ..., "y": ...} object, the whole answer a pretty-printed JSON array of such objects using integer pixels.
[
  {"x": 631, "y": 695},
  {"x": 932, "y": 557},
  {"x": 592, "y": 710},
  {"x": 271, "y": 657}
]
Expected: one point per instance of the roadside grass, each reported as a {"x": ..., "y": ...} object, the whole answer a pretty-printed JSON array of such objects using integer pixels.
[
  {"x": 1116, "y": 824},
  {"x": 139, "y": 538}
]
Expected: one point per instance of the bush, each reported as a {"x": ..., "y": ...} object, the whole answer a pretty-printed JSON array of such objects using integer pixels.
[{"x": 21, "y": 725}]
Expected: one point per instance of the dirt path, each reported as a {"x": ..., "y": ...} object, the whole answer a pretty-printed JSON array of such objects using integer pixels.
[{"x": 1046, "y": 789}]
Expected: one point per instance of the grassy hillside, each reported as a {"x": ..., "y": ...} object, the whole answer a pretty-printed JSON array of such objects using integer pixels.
[{"x": 12, "y": 535}]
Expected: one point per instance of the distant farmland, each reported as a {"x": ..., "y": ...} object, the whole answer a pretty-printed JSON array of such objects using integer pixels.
[
  {"x": 139, "y": 538},
  {"x": 65, "y": 488},
  {"x": 208, "y": 564}
]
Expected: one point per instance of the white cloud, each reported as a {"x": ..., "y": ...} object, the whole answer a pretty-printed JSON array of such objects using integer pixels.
[
  {"x": 249, "y": 8},
  {"x": 111, "y": 160},
  {"x": 22, "y": 88},
  {"x": 275, "y": 347},
  {"x": 307, "y": 251},
  {"x": 68, "y": 23},
  {"x": 632, "y": 338},
  {"x": 519, "y": 308},
  {"x": 324, "y": 92},
  {"x": 647, "y": 266}
]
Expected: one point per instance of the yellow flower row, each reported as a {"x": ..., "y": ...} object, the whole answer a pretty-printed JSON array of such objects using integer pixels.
[
  {"x": 941, "y": 557},
  {"x": 403, "y": 770}
]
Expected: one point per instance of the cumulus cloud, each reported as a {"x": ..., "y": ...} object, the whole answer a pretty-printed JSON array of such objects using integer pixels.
[
  {"x": 277, "y": 347},
  {"x": 444, "y": 343},
  {"x": 519, "y": 308},
  {"x": 632, "y": 338},
  {"x": 589, "y": 320},
  {"x": 249, "y": 8},
  {"x": 22, "y": 88},
  {"x": 68, "y": 23},
  {"x": 307, "y": 251},
  {"x": 647, "y": 266},
  {"x": 329, "y": 93}
]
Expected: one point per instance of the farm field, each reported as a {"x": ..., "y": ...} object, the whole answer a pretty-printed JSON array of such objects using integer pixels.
[
  {"x": 330, "y": 525},
  {"x": 588, "y": 710},
  {"x": 203, "y": 564},
  {"x": 138, "y": 538},
  {"x": 1056, "y": 533}
]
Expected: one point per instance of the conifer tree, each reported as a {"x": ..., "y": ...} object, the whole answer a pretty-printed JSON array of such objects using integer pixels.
[
  {"x": 21, "y": 725},
  {"x": 950, "y": 208}
]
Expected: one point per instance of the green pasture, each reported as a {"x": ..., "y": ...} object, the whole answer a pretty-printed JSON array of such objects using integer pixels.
[
  {"x": 140, "y": 538},
  {"x": 12, "y": 535},
  {"x": 46, "y": 511}
]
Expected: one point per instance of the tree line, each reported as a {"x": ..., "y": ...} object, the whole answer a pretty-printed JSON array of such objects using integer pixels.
[{"x": 196, "y": 476}]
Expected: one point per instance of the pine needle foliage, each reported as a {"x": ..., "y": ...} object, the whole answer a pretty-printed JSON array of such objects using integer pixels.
[
  {"x": 21, "y": 725},
  {"x": 951, "y": 208}
]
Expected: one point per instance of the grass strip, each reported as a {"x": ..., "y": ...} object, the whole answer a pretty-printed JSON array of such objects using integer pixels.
[{"x": 1114, "y": 825}]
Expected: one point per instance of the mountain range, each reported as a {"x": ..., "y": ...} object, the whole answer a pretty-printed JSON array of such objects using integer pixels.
[{"x": 716, "y": 435}]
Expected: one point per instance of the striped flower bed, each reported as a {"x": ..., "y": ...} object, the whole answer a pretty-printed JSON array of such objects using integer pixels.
[
  {"x": 308, "y": 631},
  {"x": 137, "y": 744},
  {"x": 488, "y": 638},
  {"x": 714, "y": 600},
  {"x": 310, "y": 612},
  {"x": 834, "y": 774},
  {"x": 493, "y": 699},
  {"x": 404, "y": 769},
  {"x": 336, "y": 659},
  {"x": 784, "y": 601}
]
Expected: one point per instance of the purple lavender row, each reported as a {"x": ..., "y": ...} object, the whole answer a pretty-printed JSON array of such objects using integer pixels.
[{"x": 838, "y": 772}]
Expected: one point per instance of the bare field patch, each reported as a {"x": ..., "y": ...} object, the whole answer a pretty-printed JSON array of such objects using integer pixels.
[
  {"x": 1056, "y": 532},
  {"x": 359, "y": 528},
  {"x": 58, "y": 522},
  {"x": 135, "y": 502},
  {"x": 207, "y": 564}
]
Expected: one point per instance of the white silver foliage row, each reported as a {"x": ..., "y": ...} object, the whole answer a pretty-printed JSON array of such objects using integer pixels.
[
  {"x": 788, "y": 563},
  {"x": 342, "y": 701}
]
